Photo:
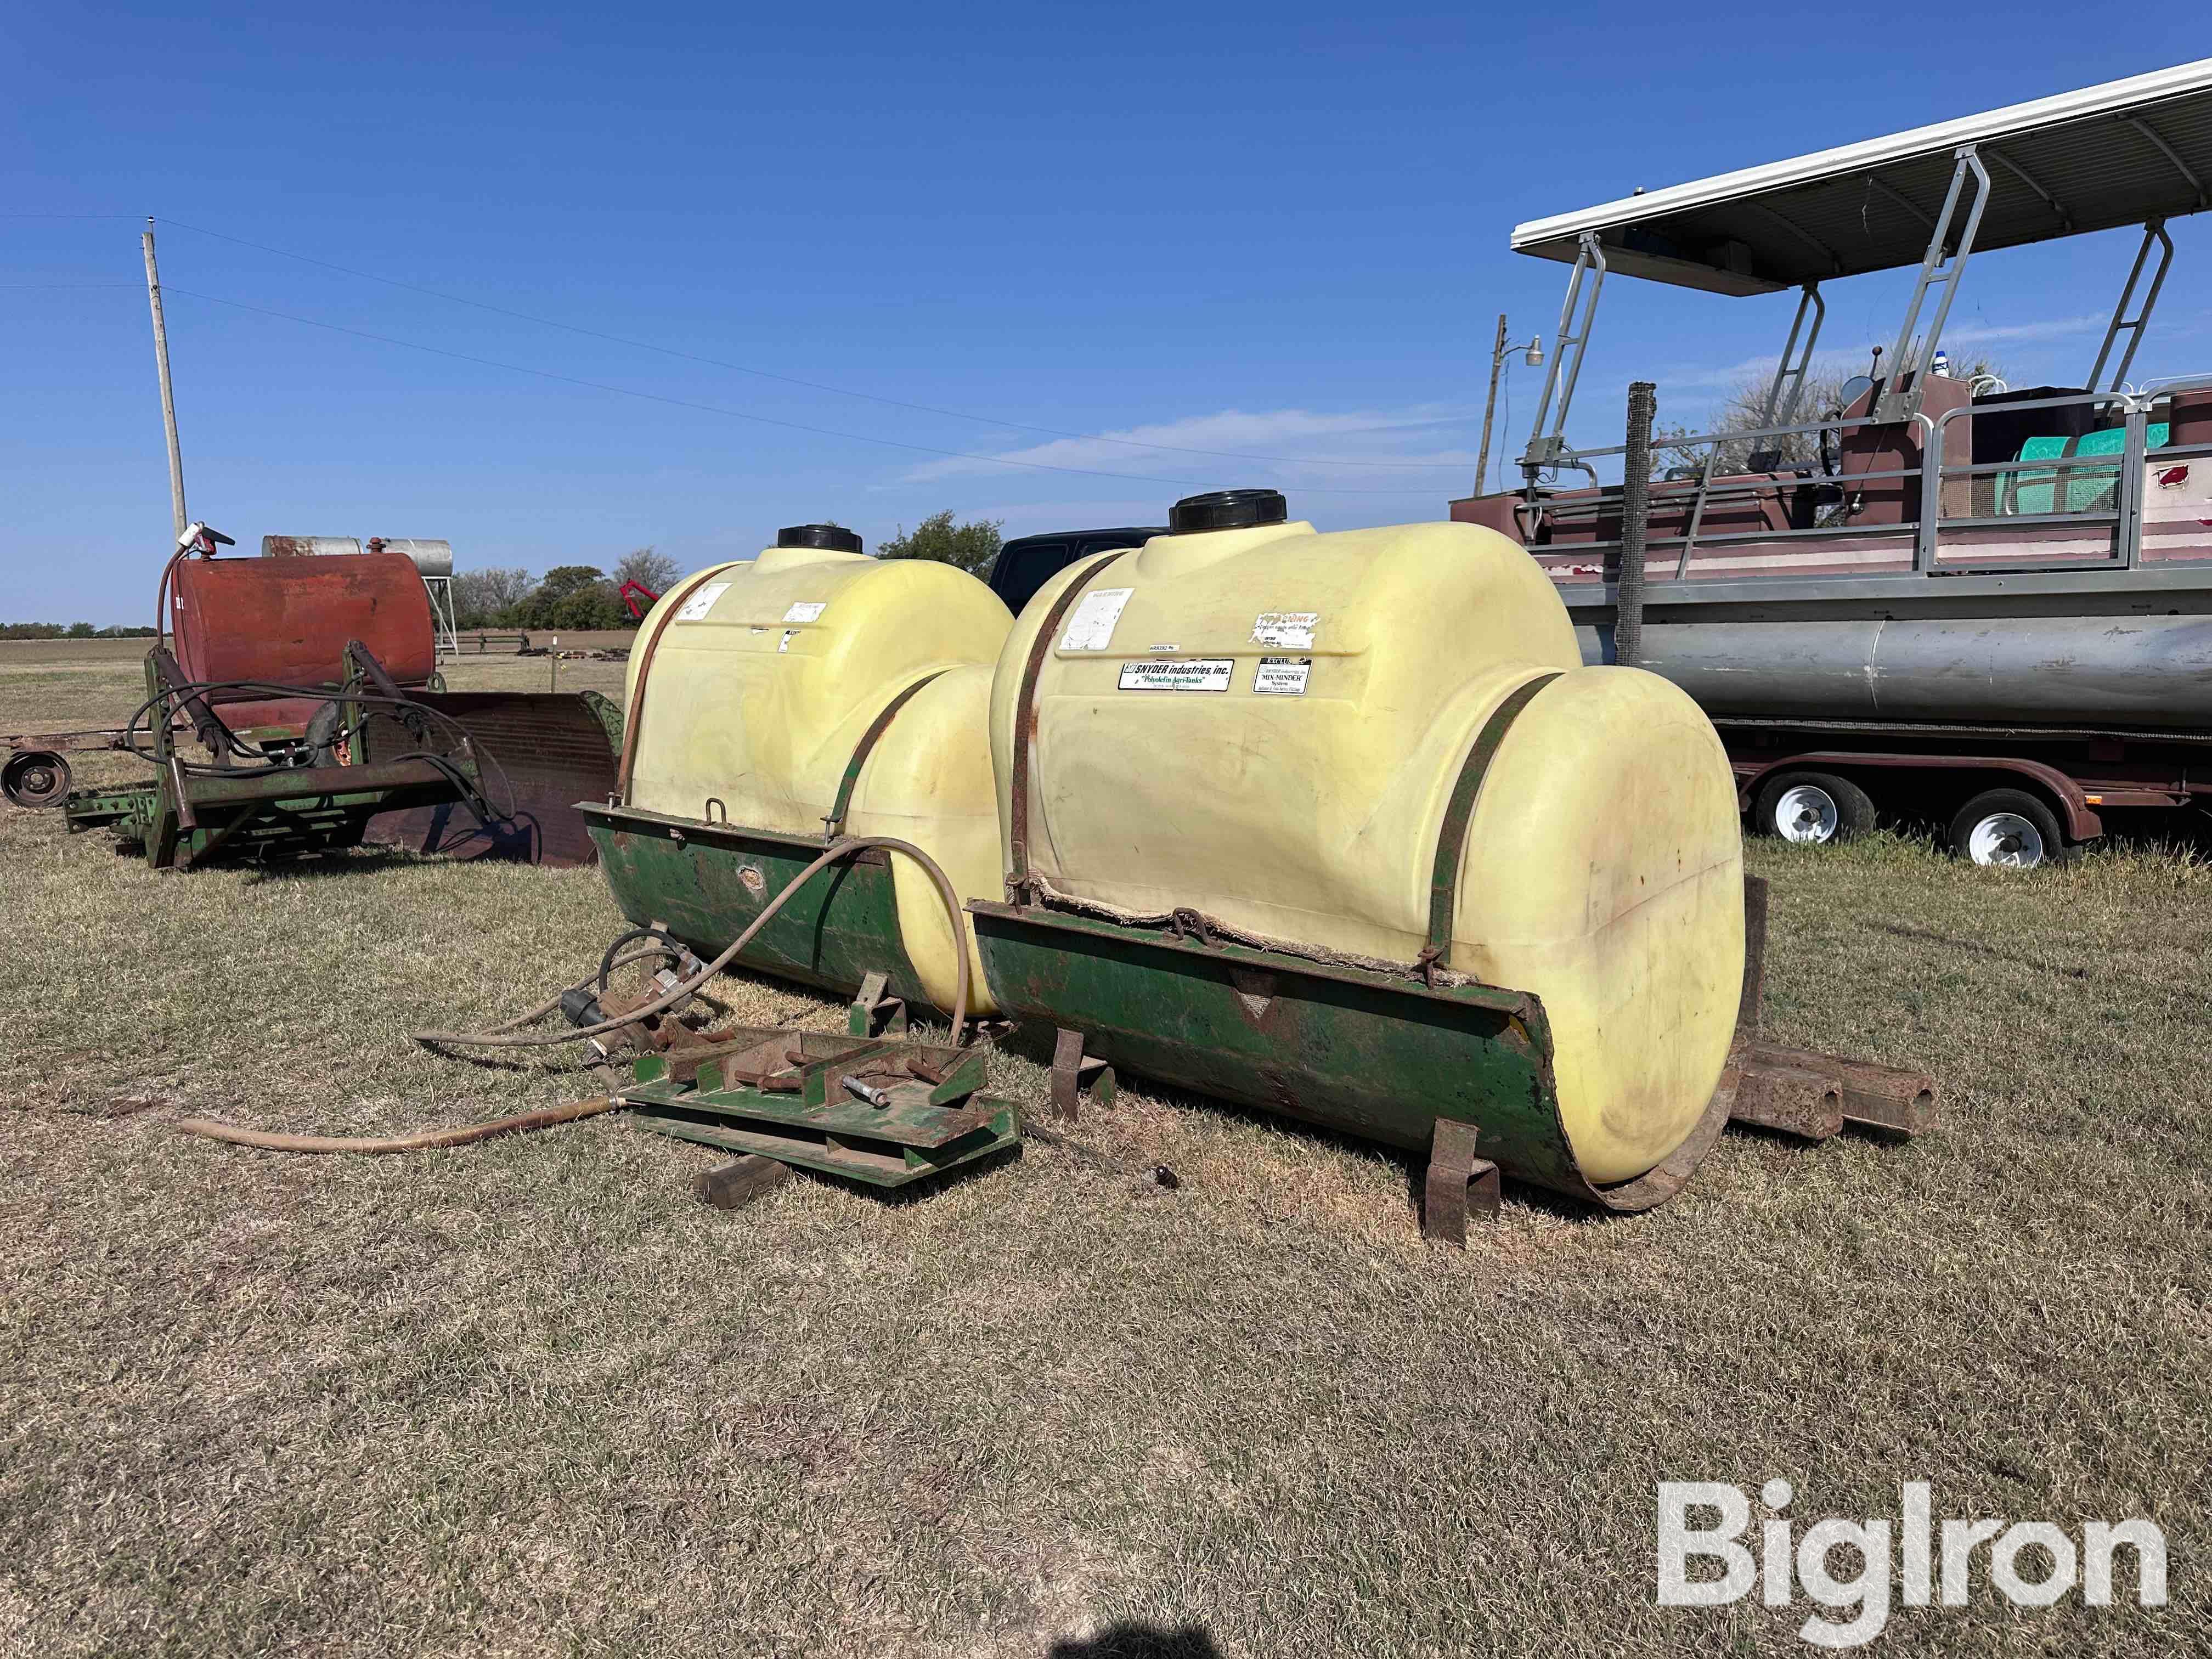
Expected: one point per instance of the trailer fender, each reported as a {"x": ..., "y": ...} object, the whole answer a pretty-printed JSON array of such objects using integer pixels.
[{"x": 2081, "y": 820}]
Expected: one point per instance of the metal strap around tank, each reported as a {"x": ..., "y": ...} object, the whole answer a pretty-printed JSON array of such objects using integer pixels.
[
  {"x": 1451, "y": 839},
  {"x": 1017, "y": 877},
  {"x": 834, "y": 825},
  {"x": 678, "y": 596}
]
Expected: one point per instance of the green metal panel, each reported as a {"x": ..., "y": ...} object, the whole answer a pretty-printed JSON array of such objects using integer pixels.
[
  {"x": 706, "y": 882},
  {"x": 1366, "y": 1052}
]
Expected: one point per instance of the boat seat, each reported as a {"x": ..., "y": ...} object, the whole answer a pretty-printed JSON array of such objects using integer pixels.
[{"x": 2087, "y": 489}]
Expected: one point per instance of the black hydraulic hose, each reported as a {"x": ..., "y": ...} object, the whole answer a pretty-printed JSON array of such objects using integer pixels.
[
  {"x": 508, "y": 1036},
  {"x": 675, "y": 948},
  {"x": 270, "y": 688}
]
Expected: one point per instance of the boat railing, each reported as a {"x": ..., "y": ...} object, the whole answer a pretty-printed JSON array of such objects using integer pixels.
[
  {"x": 1726, "y": 487},
  {"x": 2116, "y": 509}
]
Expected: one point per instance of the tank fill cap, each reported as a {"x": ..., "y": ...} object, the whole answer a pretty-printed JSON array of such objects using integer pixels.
[
  {"x": 1227, "y": 509},
  {"x": 830, "y": 538}
]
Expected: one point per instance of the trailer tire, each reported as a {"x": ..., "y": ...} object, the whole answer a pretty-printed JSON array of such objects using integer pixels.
[
  {"x": 1812, "y": 808},
  {"x": 35, "y": 778},
  {"x": 2008, "y": 828}
]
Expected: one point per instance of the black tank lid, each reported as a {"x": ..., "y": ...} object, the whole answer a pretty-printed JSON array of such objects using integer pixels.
[
  {"x": 1227, "y": 509},
  {"x": 830, "y": 538}
]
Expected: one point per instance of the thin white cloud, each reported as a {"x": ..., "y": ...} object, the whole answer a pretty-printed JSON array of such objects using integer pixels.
[
  {"x": 1356, "y": 447},
  {"x": 2051, "y": 328}
]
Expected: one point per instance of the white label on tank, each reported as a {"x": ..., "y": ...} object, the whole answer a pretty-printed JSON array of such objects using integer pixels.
[
  {"x": 1282, "y": 676},
  {"x": 1289, "y": 631},
  {"x": 1090, "y": 625},
  {"x": 695, "y": 608},
  {"x": 806, "y": 611},
  {"x": 789, "y": 634},
  {"x": 1178, "y": 674}
]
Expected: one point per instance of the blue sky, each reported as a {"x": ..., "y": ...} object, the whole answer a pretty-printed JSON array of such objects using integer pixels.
[{"x": 1278, "y": 230}]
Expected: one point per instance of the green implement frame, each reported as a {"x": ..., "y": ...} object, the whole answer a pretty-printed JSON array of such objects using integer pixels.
[
  {"x": 190, "y": 812},
  {"x": 1442, "y": 1068}
]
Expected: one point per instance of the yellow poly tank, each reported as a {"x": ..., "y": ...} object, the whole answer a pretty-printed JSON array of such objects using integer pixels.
[
  {"x": 1266, "y": 724},
  {"x": 755, "y": 684}
]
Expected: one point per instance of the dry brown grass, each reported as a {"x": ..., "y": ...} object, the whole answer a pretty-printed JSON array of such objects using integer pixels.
[{"x": 529, "y": 1397}]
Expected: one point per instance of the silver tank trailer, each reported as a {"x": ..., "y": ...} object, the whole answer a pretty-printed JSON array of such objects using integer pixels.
[
  {"x": 430, "y": 556},
  {"x": 2130, "y": 669}
]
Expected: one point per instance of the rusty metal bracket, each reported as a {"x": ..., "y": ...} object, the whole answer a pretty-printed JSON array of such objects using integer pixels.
[
  {"x": 1754, "y": 958},
  {"x": 1459, "y": 813},
  {"x": 1458, "y": 1184},
  {"x": 1074, "y": 1075},
  {"x": 1017, "y": 840},
  {"x": 641, "y": 678},
  {"x": 874, "y": 1011},
  {"x": 833, "y": 823}
]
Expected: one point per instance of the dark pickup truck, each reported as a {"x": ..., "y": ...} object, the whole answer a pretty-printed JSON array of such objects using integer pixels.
[{"x": 1028, "y": 563}]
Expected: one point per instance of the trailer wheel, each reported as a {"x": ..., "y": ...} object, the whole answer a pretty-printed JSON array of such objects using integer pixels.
[
  {"x": 1812, "y": 808},
  {"x": 2009, "y": 828},
  {"x": 34, "y": 777}
]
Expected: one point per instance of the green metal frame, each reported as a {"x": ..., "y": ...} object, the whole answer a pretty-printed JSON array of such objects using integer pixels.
[
  {"x": 924, "y": 1128},
  {"x": 705, "y": 882},
  {"x": 184, "y": 816},
  {"x": 1366, "y": 1052}
]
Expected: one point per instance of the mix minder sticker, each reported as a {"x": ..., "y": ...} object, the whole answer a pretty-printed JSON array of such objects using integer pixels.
[
  {"x": 695, "y": 608},
  {"x": 1178, "y": 674},
  {"x": 1282, "y": 676},
  {"x": 1091, "y": 625}
]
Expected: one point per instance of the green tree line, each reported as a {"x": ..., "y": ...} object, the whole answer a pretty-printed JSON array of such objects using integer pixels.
[
  {"x": 76, "y": 630},
  {"x": 580, "y": 598}
]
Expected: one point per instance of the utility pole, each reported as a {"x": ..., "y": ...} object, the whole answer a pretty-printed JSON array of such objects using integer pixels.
[
  {"x": 1488, "y": 406},
  {"x": 168, "y": 396}
]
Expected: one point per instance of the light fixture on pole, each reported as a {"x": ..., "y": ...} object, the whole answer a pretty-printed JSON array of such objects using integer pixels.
[{"x": 1532, "y": 354}]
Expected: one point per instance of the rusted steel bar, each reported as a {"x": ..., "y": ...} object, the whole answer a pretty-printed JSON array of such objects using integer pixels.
[
  {"x": 1805, "y": 1101},
  {"x": 1754, "y": 958},
  {"x": 1890, "y": 1100}
]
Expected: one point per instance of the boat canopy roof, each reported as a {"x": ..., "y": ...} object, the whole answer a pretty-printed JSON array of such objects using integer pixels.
[{"x": 2120, "y": 154}]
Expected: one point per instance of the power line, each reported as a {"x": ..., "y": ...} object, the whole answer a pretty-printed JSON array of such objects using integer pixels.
[
  {"x": 735, "y": 414},
  {"x": 812, "y": 385}
]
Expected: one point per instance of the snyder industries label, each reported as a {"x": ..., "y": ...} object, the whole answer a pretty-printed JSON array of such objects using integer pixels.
[
  {"x": 1091, "y": 625},
  {"x": 1286, "y": 630},
  {"x": 1178, "y": 674},
  {"x": 1282, "y": 676},
  {"x": 806, "y": 611},
  {"x": 695, "y": 608}
]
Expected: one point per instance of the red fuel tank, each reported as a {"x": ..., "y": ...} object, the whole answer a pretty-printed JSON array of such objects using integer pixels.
[{"x": 289, "y": 620}]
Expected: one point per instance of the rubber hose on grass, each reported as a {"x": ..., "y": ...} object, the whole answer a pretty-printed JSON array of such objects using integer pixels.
[{"x": 506, "y": 1037}]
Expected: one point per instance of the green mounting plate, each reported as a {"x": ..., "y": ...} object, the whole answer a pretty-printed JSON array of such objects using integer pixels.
[{"x": 926, "y": 1122}]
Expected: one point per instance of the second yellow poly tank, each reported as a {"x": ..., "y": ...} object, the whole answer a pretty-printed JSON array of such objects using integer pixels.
[
  {"x": 1266, "y": 724},
  {"x": 753, "y": 684}
]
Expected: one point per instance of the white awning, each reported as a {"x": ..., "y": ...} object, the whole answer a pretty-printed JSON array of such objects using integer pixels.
[{"x": 2118, "y": 154}]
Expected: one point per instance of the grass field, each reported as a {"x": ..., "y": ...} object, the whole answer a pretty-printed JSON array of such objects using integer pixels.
[{"x": 529, "y": 1397}]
